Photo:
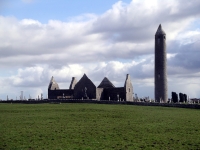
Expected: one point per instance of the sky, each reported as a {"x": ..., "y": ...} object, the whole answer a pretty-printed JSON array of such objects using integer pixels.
[{"x": 65, "y": 39}]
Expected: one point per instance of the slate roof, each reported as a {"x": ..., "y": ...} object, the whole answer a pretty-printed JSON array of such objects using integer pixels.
[
  {"x": 85, "y": 81},
  {"x": 105, "y": 83},
  {"x": 160, "y": 30},
  {"x": 53, "y": 85}
]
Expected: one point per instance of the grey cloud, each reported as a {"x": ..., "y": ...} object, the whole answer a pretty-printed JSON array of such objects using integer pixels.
[
  {"x": 188, "y": 8},
  {"x": 45, "y": 43},
  {"x": 173, "y": 46},
  {"x": 187, "y": 57},
  {"x": 111, "y": 70},
  {"x": 133, "y": 24},
  {"x": 121, "y": 33},
  {"x": 36, "y": 39}
]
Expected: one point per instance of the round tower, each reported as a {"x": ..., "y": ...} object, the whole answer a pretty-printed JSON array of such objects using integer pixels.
[{"x": 160, "y": 74}]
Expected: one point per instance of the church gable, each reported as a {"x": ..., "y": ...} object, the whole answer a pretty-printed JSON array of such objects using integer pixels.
[
  {"x": 85, "y": 88},
  {"x": 128, "y": 88},
  {"x": 73, "y": 83},
  {"x": 53, "y": 85},
  {"x": 105, "y": 83}
]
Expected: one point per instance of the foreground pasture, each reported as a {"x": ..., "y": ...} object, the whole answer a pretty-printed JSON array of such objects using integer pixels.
[{"x": 97, "y": 126}]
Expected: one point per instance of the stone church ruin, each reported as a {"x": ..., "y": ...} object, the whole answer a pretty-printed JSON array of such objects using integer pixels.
[{"x": 85, "y": 89}]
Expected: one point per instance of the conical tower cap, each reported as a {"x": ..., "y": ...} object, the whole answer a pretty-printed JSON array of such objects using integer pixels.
[{"x": 160, "y": 30}]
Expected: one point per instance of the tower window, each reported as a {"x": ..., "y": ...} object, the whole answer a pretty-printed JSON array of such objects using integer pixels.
[{"x": 164, "y": 37}]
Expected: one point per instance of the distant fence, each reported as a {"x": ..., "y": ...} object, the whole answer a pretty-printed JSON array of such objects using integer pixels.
[{"x": 58, "y": 101}]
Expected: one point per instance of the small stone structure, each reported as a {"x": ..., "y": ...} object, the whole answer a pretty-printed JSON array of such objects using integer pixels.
[{"x": 85, "y": 89}]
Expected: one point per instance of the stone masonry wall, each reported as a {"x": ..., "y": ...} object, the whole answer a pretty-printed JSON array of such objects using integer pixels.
[
  {"x": 99, "y": 93},
  {"x": 113, "y": 93},
  {"x": 54, "y": 94},
  {"x": 128, "y": 88}
]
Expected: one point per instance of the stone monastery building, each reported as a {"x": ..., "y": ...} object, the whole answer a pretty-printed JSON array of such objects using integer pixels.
[{"x": 85, "y": 89}]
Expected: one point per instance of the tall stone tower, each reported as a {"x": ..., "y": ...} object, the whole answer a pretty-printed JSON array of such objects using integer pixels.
[{"x": 160, "y": 74}]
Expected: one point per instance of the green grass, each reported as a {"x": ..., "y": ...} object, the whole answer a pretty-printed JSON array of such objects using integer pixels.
[{"x": 97, "y": 126}]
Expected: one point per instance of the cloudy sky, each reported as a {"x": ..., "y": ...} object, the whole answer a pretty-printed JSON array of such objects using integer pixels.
[{"x": 65, "y": 39}]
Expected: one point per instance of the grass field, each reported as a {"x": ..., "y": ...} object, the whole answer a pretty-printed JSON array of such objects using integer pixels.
[{"x": 97, "y": 126}]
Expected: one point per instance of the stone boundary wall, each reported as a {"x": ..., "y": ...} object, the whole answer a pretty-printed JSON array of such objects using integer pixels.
[{"x": 58, "y": 101}]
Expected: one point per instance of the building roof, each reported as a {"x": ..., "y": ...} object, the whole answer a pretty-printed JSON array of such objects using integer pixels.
[
  {"x": 53, "y": 85},
  {"x": 85, "y": 81},
  {"x": 105, "y": 83},
  {"x": 160, "y": 30}
]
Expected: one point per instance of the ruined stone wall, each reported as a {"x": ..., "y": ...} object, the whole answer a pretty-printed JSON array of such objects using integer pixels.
[
  {"x": 113, "y": 94},
  {"x": 56, "y": 94},
  {"x": 99, "y": 93},
  {"x": 128, "y": 88},
  {"x": 73, "y": 83},
  {"x": 58, "y": 101}
]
